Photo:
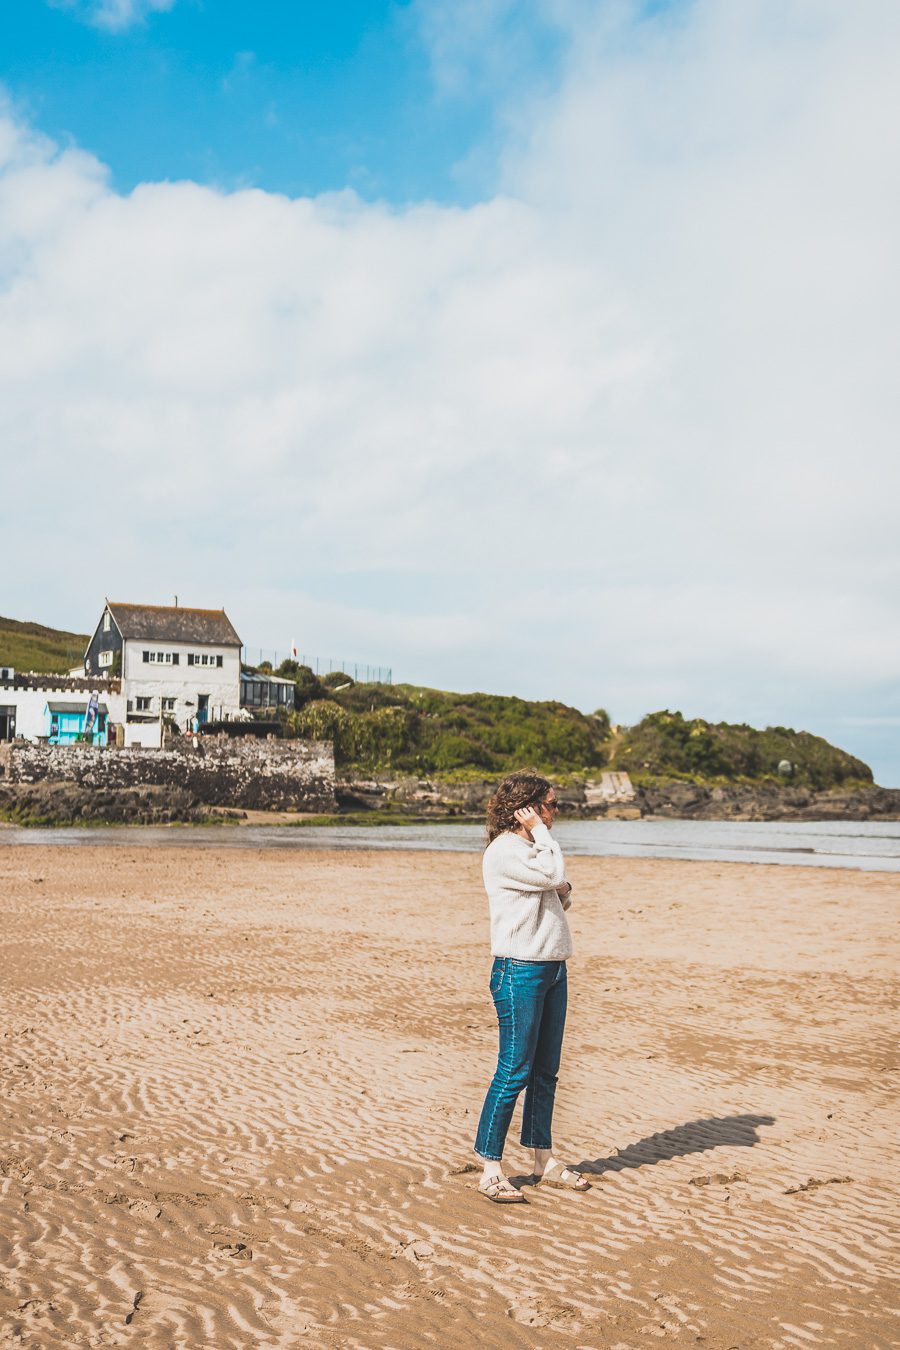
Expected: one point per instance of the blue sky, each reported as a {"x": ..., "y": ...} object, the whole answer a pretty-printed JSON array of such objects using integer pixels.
[
  {"x": 299, "y": 98},
  {"x": 542, "y": 347}
]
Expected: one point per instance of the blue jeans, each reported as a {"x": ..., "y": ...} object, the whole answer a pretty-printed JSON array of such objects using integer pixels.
[{"x": 530, "y": 999}]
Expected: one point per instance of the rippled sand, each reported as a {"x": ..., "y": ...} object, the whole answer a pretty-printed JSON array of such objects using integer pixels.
[{"x": 239, "y": 1091}]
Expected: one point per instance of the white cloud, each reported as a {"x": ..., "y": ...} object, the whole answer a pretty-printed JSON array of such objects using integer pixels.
[
  {"x": 114, "y": 15},
  {"x": 484, "y": 45},
  {"x": 623, "y": 433}
]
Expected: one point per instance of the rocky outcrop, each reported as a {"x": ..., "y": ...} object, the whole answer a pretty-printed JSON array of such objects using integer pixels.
[
  {"x": 676, "y": 800},
  {"x": 414, "y": 796},
  {"x": 71, "y": 804},
  {"x": 766, "y": 801},
  {"x": 155, "y": 787}
]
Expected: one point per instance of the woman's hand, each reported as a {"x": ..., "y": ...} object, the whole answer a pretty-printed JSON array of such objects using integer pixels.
[
  {"x": 565, "y": 890},
  {"x": 527, "y": 817}
]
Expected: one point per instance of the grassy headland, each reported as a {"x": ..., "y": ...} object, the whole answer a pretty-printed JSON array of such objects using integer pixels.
[
  {"x": 667, "y": 745},
  {"x": 31, "y": 646}
]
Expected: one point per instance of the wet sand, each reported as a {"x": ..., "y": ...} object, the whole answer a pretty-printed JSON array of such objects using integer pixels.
[{"x": 239, "y": 1091}]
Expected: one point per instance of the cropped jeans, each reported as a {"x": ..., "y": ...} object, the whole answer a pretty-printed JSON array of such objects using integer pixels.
[{"x": 530, "y": 999}]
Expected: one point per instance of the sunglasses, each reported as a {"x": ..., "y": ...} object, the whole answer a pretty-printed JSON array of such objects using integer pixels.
[{"x": 551, "y": 806}]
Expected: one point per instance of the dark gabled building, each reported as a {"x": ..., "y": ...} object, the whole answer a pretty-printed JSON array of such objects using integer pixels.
[{"x": 175, "y": 662}]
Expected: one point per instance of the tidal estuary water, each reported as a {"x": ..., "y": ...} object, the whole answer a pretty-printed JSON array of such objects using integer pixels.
[{"x": 866, "y": 845}]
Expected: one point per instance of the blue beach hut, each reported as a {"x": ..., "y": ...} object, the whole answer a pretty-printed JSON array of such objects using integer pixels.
[{"x": 65, "y": 722}]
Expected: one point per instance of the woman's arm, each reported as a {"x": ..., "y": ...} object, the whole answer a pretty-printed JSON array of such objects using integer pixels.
[{"x": 540, "y": 869}]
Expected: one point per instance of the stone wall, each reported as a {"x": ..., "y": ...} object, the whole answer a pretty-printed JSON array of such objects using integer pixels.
[{"x": 250, "y": 774}]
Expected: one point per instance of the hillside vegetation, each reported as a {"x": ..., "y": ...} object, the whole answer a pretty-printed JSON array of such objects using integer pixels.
[
  {"x": 667, "y": 745},
  {"x": 30, "y": 646},
  {"x": 405, "y": 729}
]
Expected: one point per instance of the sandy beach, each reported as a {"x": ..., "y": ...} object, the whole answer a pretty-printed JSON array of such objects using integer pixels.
[{"x": 239, "y": 1091}]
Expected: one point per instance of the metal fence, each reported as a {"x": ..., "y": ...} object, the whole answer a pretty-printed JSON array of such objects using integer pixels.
[{"x": 360, "y": 672}]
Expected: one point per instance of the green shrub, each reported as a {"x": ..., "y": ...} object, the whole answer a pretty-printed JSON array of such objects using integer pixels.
[
  {"x": 665, "y": 743},
  {"x": 407, "y": 729}
]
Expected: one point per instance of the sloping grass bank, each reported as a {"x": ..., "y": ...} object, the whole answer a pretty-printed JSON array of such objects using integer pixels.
[{"x": 30, "y": 646}]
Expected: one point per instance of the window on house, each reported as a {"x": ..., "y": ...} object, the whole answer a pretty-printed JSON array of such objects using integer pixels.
[
  {"x": 168, "y": 705},
  {"x": 106, "y": 621},
  {"x": 143, "y": 703},
  {"x": 203, "y": 659},
  {"x": 161, "y": 658},
  {"x": 106, "y": 658}
]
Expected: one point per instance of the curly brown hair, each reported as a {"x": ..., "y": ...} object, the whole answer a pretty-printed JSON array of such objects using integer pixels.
[{"x": 516, "y": 791}]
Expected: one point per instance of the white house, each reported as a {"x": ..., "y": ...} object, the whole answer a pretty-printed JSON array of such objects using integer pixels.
[{"x": 173, "y": 662}]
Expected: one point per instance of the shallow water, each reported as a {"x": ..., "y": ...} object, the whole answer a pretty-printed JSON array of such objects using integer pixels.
[{"x": 854, "y": 844}]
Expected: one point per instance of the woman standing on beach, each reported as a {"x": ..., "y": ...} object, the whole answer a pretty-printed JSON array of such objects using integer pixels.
[{"x": 524, "y": 876}]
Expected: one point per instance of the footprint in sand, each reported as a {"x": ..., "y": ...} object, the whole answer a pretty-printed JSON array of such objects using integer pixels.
[
  {"x": 814, "y": 1183},
  {"x": 717, "y": 1179}
]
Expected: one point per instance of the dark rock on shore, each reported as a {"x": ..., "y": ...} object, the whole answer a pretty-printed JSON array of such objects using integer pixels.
[
  {"x": 675, "y": 800},
  {"x": 72, "y": 804},
  {"x": 765, "y": 801},
  {"x": 69, "y": 803},
  {"x": 415, "y": 796}
]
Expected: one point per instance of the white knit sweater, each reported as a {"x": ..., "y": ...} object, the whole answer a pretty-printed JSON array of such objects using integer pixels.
[{"x": 527, "y": 919}]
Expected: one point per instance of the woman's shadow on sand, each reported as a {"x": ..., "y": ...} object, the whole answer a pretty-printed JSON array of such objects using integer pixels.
[{"x": 697, "y": 1136}]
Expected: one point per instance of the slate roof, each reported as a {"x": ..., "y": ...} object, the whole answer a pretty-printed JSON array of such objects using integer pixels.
[{"x": 168, "y": 623}]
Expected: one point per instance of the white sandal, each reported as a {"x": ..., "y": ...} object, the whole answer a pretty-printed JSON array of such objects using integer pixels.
[
  {"x": 562, "y": 1178},
  {"x": 500, "y": 1191}
]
